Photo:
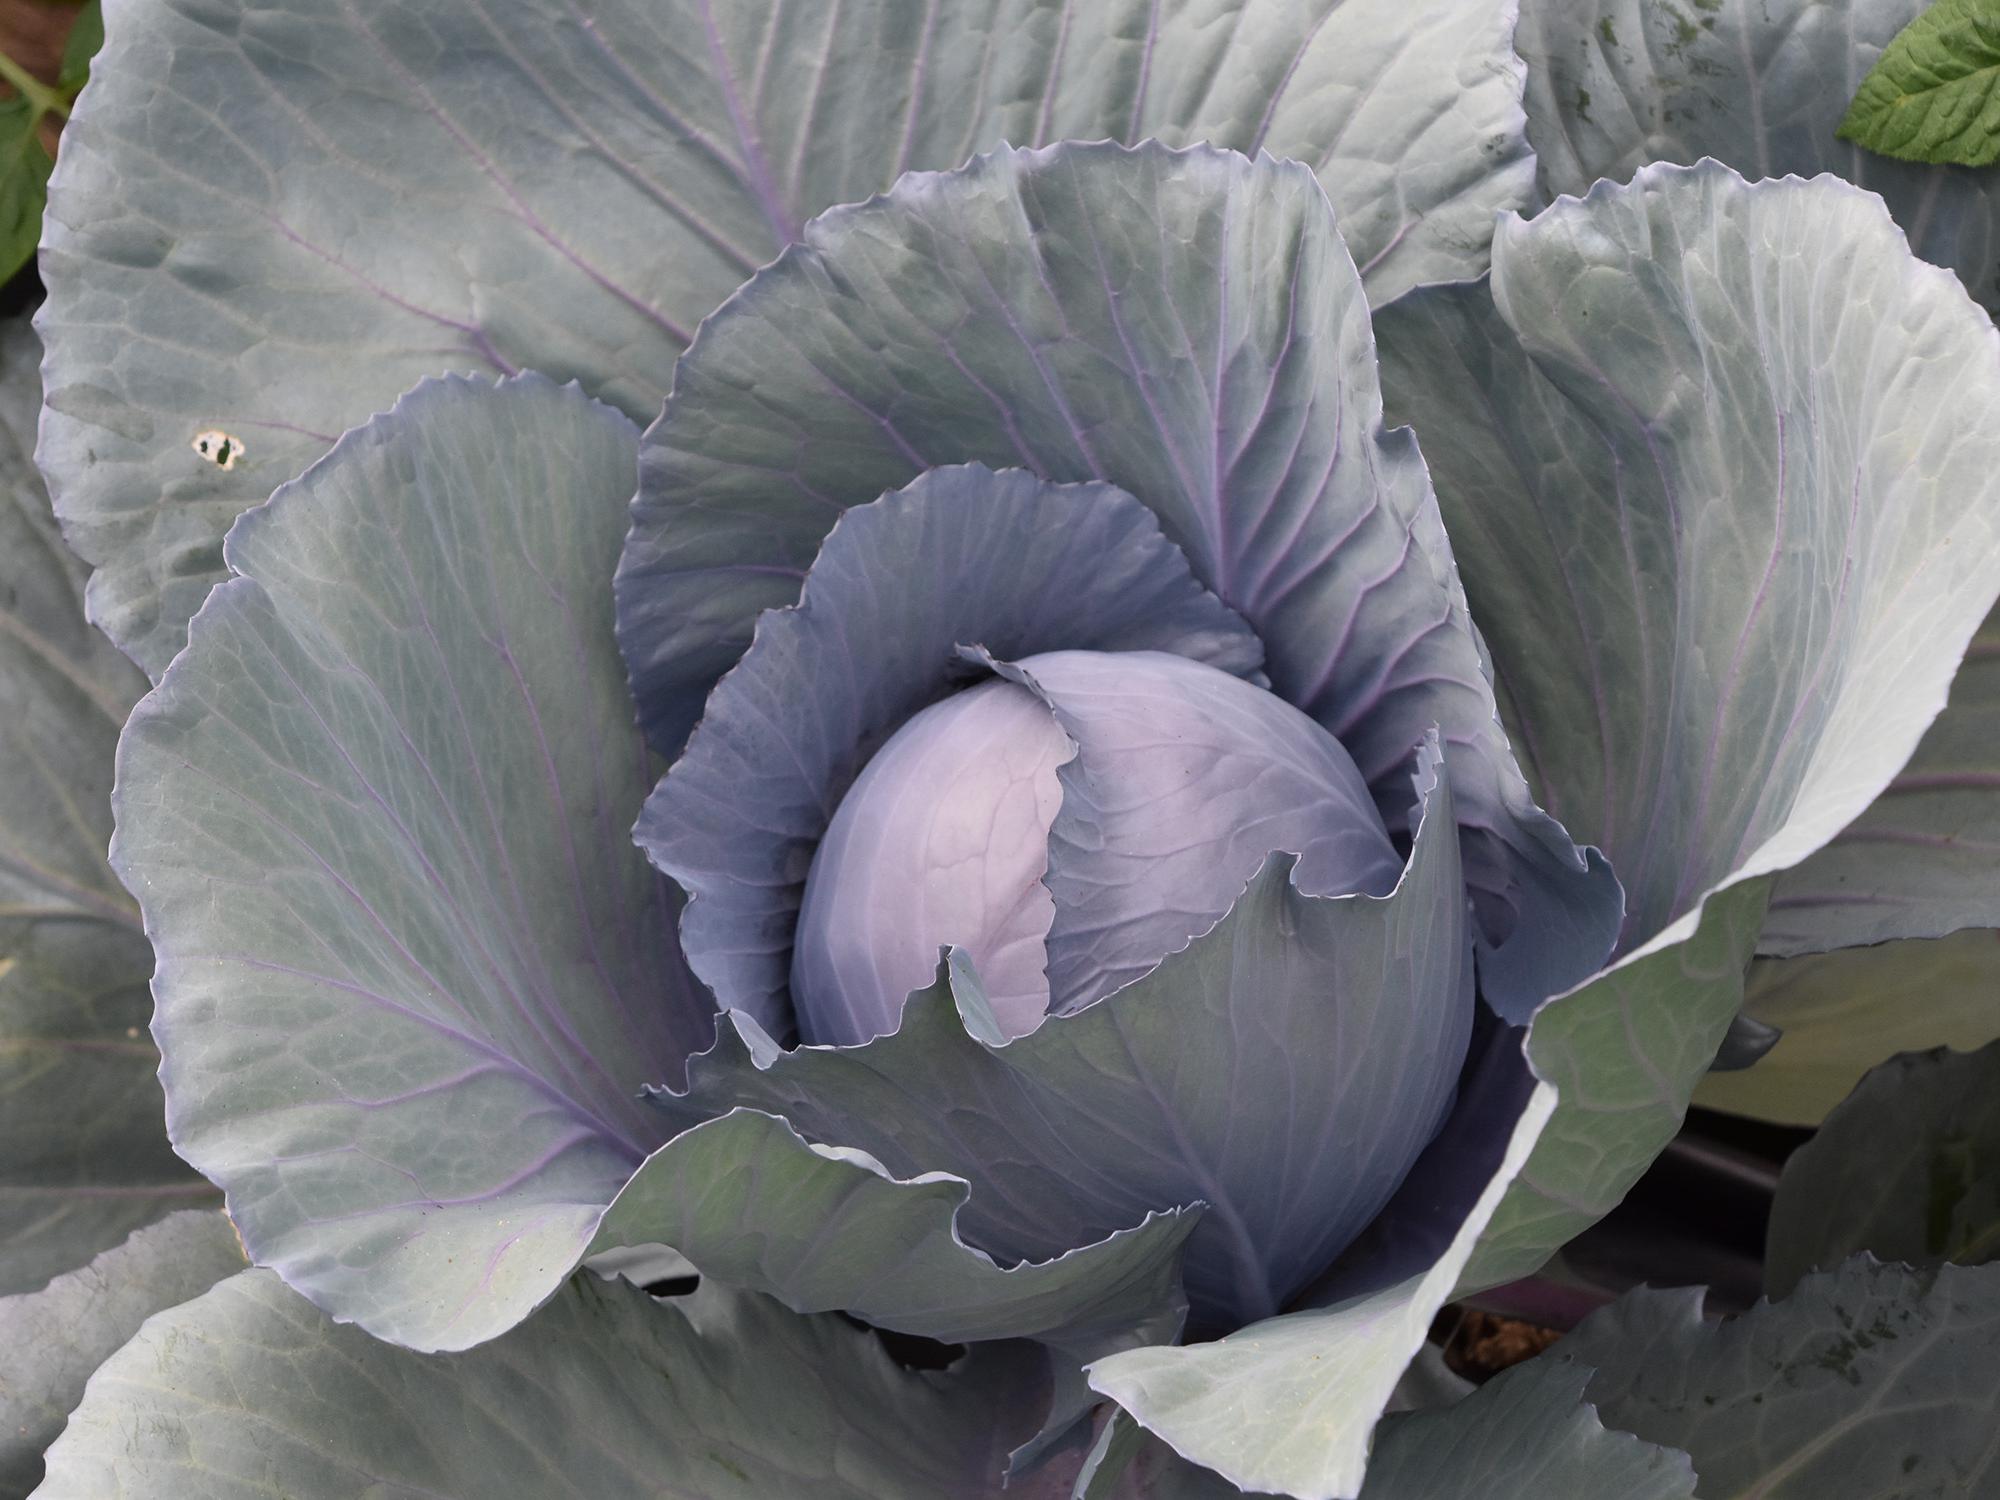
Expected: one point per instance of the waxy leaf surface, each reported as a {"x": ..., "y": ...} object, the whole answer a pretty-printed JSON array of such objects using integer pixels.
[
  {"x": 412, "y": 972},
  {"x": 1186, "y": 325},
  {"x": 84, "y": 1158},
  {"x": 272, "y": 217},
  {"x": 719, "y": 1395}
]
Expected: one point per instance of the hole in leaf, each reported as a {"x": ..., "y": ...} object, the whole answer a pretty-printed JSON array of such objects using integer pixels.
[
  {"x": 913, "y": 1351},
  {"x": 671, "y": 1286},
  {"x": 218, "y": 447}
]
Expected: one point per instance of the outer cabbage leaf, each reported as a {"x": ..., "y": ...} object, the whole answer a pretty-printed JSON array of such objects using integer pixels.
[
  {"x": 1756, "y": 627},
  {"x": 1906, "y": 1168},
  {"x": 1618, "y": 1055},
  {"x": 720, "y": 1395},
  {"x": 1185, "y": 325},
  {"x": 1868, "y": 1383},
  {"x": 411, "y": 971},
  {"x": 1293, "y": 1131},
  {"x": 271, "y": 217},
  {"x": 1527, "y": 1434},
  {"x": 1843, "y": 1012},
  {"x": 1031, "y": 1120},
  {"x": 84, "y": 1158},
  {"x": 961, "y": 555},
  {"x": 822, "y": 1229},
  {"x": 1924, "y": 859},
  {"x": 1761, "y": 529},
  {"x": 1623, "y": 1052},
  {"x": 52, "y": 1341},
  {"x": 1287, "y": 1405},
  {"x": 1761, "y": 85}
]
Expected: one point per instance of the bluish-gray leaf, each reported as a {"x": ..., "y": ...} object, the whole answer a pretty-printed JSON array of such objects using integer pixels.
[
  {"x": 402, "y": 748},
  {"x": 412, "y": 972},
  {"x": 1487, "y": 1202},
  {"x": 271, "y": 217},
  {"x": 84, "y": 1158},
  {"x": 749, "y": 1202},
  {"x": 1527, "y": 1434},
  {"x": 1924, "y": 859},
  {"x": 1286, "y": 1406},
  {"x": 1760, "y": 85},
  {"x": 1907, "y": 1168},
  {"x": 248, "y": 1392},
  {"x": 1186, "y": 325},
  {"x": 1624, "y": 1051},
  {"x": 1293, "y": 1130},
  {"x": 1867, "y": 1383},
  {"x": 1727, "y": 540},
  {"x": 961, "y": 556},
  {"x": 53, "y": 1340},
  {"x": 1845, "y": 1011}
]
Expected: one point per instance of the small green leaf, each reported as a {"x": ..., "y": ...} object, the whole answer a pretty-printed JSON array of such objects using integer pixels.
[
  {"x": 1935, "y": 94},
  {"x": 85, "y": 37},
  {"x": 24, "y": 182},
  {"x": 25, "y": 159}
]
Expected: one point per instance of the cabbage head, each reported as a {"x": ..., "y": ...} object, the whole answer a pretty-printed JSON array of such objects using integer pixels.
[{"x": 1022, "y": 808}]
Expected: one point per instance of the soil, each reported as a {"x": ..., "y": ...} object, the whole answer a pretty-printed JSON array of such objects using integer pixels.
[{"x": 1479, "y": 1345}]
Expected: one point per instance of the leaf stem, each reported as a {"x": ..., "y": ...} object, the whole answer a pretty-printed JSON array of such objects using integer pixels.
[{"x": 45, "y": 100}]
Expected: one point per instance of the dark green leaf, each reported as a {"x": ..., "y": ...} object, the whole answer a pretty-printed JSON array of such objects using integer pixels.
[
  {"x": 1624, "y": 1051},
  {"x": 1935, "y": 95},
  {"x": 1869, "y": 1383},
  {"x": 1907, "y": 1168},
  {"x": 85, "y": 37},
  {"x": 1525, "y": 1435},
  {"x": 24, "y": 182},
  {"x": 1761, "y": 87}
]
